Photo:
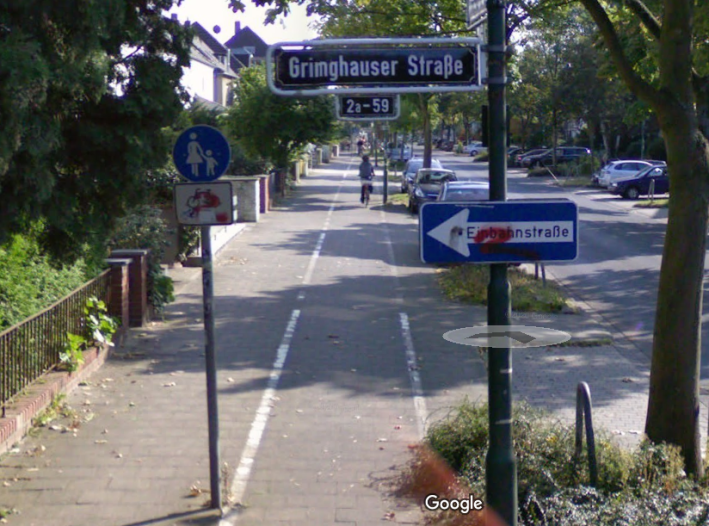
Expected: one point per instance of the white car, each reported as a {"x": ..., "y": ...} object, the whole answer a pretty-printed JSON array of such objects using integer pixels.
[
  {"x": 474, "y": 148},
  {"x": 618, "y": 170},
  {"x": 413, "y": 166}
]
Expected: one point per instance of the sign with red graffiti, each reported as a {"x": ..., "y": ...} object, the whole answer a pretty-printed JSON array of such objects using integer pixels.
[
  {"x": 499, "y": 232},
  {"x": 204, "y": 204}
]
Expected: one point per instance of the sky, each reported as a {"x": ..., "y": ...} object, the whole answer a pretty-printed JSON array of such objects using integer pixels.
[{"x": 211, "y": 13}]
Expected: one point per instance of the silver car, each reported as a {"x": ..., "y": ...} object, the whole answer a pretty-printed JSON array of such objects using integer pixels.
[
  {"x": 618, "y": 170},
  {"x": 413, "y": 166}
]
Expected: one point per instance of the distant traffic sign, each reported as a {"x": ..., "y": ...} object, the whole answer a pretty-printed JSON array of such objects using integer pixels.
[
  {"x": 367, "y": 108},
  {"x": 476, "y": 13},
  {"x": 356, "y": 66},
  {"x": 499, "y": 231},
  {"x": 201, "y": 153}
]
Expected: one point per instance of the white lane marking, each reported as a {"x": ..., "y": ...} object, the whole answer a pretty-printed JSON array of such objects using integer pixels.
[
  {"x": 411, "y": 359},
  {"x": 414, "y": 376},
  {"x": 258, "y": 426}
]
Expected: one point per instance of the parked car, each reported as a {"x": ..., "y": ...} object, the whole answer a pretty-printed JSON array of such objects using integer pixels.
[
  {"x": 413, "y": 166},
  {"x": 639, "y": 184},
  {"x": 478, "y": 150},
  {"x": 617, "y": 170},
  {"x": 464, "y": 191},
  {"x": 427, "y": 185},
  {"x": 564, "y": 154},
  {"x": 519, "y": 158},
  {"x": 395, "y": 153}
]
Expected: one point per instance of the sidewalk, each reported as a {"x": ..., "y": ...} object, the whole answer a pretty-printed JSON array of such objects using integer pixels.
[{"x": 133, "y": 449}]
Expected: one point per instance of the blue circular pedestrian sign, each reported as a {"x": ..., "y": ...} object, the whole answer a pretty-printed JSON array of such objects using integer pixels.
[{"x": 201, "y": 153}]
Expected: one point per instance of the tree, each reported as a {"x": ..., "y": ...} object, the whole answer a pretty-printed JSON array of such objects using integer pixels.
[
  {"x": 679, "y": 95},
  {"x": 85, "y": 89},
  {"x": 274, "y": 127}
]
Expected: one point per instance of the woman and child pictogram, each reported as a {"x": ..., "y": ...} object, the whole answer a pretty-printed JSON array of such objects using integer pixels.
[{"x": 196, "y": 156}]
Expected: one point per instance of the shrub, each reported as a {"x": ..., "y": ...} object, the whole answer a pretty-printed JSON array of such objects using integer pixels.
[
  {"x": 143, "y": 228},
  {"x": 30, "y": 280},
  {"x": 645, "y": 487}
]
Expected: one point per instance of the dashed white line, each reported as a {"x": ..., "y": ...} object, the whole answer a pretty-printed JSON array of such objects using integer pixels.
[{"x": 258, "y": 426}]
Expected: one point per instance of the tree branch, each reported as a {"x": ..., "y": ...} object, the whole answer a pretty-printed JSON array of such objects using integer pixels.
[
  {"x": 635, "y": 83},
  {"x": 651, "y": 23}
]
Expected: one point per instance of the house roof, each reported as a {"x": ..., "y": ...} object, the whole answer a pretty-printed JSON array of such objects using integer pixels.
[
  {"x": 247, "y": 40},
  {"x": 207, "y": 50}
]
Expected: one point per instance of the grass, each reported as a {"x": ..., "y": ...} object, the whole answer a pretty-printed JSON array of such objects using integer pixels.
[
  {"x": 397, "y": 198},
  {"x": 656, "y": 203},
  {"x": 643, "y": 487},
  {"x": 581, "y": 180},
  {"x": 468, "y": 283}
]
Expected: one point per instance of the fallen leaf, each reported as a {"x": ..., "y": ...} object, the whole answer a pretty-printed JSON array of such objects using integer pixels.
[
  {"x": 627, "y": 380},
  {"x": 169, "y": 384},
  {"x": 382, "y": 440},
  {"x": 100, "y": 441},
  {"x": 230, "y": 380},
  {"x": 389, "y": 516}
]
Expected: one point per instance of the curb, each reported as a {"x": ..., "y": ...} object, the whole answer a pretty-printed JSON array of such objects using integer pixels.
[{"x": 39, "y": 394}]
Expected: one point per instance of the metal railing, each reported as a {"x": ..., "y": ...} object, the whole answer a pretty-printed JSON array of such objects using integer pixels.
[
  {"x": 583, "y": 416},
  {"x": 32, "y": 347}
]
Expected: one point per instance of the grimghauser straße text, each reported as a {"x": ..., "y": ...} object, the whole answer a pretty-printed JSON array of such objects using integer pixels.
[{"x": 375, "y": 67}]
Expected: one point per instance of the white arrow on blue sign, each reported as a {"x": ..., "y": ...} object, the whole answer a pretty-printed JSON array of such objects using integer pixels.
[
  {"x": 201, "y": 153},
  {"x": 499, "y": 231}
]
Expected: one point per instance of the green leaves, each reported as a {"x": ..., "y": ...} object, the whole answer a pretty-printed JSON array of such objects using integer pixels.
[{"x": 274, "y": 127}]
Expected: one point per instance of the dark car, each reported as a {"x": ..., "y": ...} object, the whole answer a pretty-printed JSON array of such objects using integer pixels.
[
  {"x": 520, "y": 156},
  {"x": 464, "y": 191},
  {"x": 427, "y": 185},
  {"x": 564, "y": 154},
  {"x": 639, "y": 184}
]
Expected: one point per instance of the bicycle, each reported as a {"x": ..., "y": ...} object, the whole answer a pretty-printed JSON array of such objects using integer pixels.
[{"x": 366, "y": 190}]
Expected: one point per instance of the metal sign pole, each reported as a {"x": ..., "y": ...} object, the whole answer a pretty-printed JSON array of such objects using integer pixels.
[
  {"x": 501, "y": 470},
  {"x": 211, "y": 367}
]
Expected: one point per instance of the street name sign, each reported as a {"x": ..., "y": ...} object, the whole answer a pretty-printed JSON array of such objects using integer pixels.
[
  {"x": 201, "y": 153},
  {"x": 499, "y": 231},
  {"x": 362, "y": 66},
  {"x": 367, "y": 108},
  {"x": 204, "y": 204}
]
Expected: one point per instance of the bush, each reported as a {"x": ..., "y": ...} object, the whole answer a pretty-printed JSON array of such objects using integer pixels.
[
  {"x": 143, "y": 228},
  {"x": 31, "y": 281},
  {"x": 646, "y": 487}
]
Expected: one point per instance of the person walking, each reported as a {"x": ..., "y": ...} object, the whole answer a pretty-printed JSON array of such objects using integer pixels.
[{"x": 366, "y": 174}]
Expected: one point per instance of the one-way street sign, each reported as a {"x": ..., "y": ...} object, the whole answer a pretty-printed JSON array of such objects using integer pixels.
[
  {"x": 499, "y": 231},
  {"x": 356, "y": 66}
]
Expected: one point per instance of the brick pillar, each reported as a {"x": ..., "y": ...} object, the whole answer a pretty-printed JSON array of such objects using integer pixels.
[
  {"x": 118, "y": 305},
  {"x": 138, "y": 278},
  {"x": 264, "y": 198}
]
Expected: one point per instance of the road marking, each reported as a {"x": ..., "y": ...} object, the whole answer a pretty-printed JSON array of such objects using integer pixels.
[
  {"x": 409, "y": 349},
  {"x": 258, "y": 426},
  {"x": 237, "y": 489},
  {"x": 414, "y": 376}
]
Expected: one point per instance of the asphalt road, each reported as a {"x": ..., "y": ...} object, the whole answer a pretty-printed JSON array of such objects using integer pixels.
[{"x": 620, "y": 252}]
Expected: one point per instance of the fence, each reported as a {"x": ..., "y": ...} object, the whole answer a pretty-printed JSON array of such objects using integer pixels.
[{"x": 32, "y": 347}]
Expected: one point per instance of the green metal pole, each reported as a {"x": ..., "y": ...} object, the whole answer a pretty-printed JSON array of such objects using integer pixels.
[{"x": 501, "y": 469}]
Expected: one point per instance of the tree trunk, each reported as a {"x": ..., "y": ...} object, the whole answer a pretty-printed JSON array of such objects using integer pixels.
[
  {"x": 673, "y": 407},
  {"x": 423, "y": 104}
]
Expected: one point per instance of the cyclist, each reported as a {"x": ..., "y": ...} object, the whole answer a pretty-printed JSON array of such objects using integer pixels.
[{"x": 366, "y": 174}]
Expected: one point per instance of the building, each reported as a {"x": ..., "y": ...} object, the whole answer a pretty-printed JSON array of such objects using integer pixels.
[
  {"x": 212, "y": 70},
  {"x": 246, "y": 46}
]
